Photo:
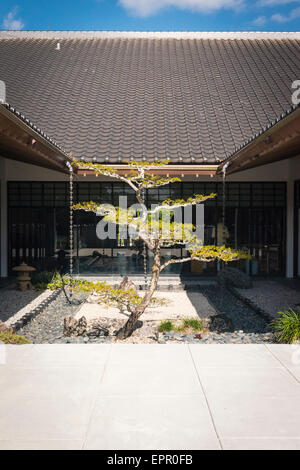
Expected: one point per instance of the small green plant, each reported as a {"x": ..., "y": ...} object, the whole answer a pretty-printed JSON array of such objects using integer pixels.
[
  {"x": 48, "y": 280},
  {"x": 166, "y": 326},
  {"x": 193, "y": 323},
  {"x": 58, "y": 281},
  {"x": 287, "y": 326},
  {"x": 42, "y": 277},
  {"x": 11, "y": 338}
]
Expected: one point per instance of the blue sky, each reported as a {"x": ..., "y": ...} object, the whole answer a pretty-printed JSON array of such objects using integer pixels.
[{"x": 188, "y": 15}]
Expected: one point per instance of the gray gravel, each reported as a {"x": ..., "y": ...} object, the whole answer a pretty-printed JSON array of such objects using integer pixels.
[
  {"x": 47, "y": 327},
  {"x": 271, "y": 296},
  {"x": 12, "y": 300},
  {"x": 237, "y": 337},
  {"x": 242, "y": 316}
]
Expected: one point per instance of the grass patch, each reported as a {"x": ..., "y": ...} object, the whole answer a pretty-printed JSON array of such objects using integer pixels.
[
  {"x": 287, "y": 327},
  {"x": 11, "y": 338},
  {"x": 166, "y": 326},
  {"x": 192, "y": 323},
  {"x": 187, "y": 325}
]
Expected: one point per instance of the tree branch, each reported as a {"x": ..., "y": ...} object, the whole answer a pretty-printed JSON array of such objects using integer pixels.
[
  {"x": 176, "y": 204},
  {"x": 176, "y": 261}
]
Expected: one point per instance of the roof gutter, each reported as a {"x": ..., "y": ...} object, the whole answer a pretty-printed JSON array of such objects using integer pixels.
[{"x": 168, "y": 170}]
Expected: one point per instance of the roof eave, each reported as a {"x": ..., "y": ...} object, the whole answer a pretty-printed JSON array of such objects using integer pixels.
[
  {"x": 279, "y": 141},
  {"x": 16, "y": 134}
]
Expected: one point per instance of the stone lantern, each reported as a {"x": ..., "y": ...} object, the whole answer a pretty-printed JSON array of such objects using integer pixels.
[{"x": 23, "y": 276}]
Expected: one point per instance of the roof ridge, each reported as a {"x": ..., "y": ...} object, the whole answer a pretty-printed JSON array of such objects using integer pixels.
[{"x": 221, "y": 35}]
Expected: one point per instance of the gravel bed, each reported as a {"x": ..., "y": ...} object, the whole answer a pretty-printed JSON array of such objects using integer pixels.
[
  {"x": 47, "y": 327},
  {"x": 271, "y": 296},
  {"x": 249, "y": 327},
  {"x": 242, "y": 316},
  {"x": 13, "y": 300},
  {"x": 238, "y": 337}
]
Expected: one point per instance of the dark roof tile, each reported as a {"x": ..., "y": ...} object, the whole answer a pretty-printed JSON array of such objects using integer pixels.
[{"x": 103, "y": 96}]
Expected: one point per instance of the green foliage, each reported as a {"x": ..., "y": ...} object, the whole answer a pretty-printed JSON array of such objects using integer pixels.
[
  {"x": 166, "y": 326},
  {"x": 287, "y": 327},
  {"x": 49, "y": 280},
  {"x": 150, "y": 181},
  {"x": 137, "y": 177},
  {"x": 192, "y": 323},
  {"x": 209, "y": 253},
  {"x": 127, "y": 300},
  {"x": 196, "y": 199},
  {"x": 96, "y": 167},
  {"x": 11, "y": 338},
  {"x": 147, "y": 165},
  {"x": 42, "y": 279},
  {"x": 86, "y": 206}
]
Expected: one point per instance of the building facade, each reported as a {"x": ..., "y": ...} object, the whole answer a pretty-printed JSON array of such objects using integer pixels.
[{"x": 200, "y": 100}]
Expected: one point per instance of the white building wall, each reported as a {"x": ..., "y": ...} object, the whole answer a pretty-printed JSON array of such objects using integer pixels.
[{"x": 18, "y": 171}]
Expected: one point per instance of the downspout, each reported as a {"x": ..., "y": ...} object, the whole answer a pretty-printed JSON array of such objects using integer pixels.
[
  {"x": 224, "y": 174},
  {"x": 70, "y": 168},
  {"x": 145, "y": 250}
]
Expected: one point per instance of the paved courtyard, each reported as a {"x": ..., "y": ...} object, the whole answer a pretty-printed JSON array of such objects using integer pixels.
[{"x": 150, "y": 397}]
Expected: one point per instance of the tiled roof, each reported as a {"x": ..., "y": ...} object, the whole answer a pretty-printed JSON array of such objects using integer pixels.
[
  {"x": 252, "y": 140},
  {"x": 190, "y": 97},
  {"x": 270, "y": 124}
]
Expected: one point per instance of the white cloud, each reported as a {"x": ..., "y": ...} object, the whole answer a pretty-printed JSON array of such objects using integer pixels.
[
  {"x": 11, "y": 22},
  {"x": 270, "y": 3},
  {"x": 260, "y": 21},
  {"x": 149, "y": 7},
  {"x": 279, "y": 18},
  {"x": 295, "y": 13}
]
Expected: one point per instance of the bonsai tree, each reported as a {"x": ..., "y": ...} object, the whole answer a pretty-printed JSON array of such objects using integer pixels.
[{"x": 156, "y": 227}]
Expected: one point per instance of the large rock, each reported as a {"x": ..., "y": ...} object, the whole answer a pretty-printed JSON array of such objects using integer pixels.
[
  {"x": 73, "y": 327},
  {"x": 94, "y": 329},
  {"x": 235, "y": 278},
  {"x": 221, "y": 324}
]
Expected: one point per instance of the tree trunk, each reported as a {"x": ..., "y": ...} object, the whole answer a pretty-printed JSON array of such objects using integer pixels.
[{"x": 128, "y": 328}]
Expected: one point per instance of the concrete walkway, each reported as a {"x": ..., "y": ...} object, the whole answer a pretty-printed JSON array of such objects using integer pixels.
[{"x": 150, "y": 397}]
